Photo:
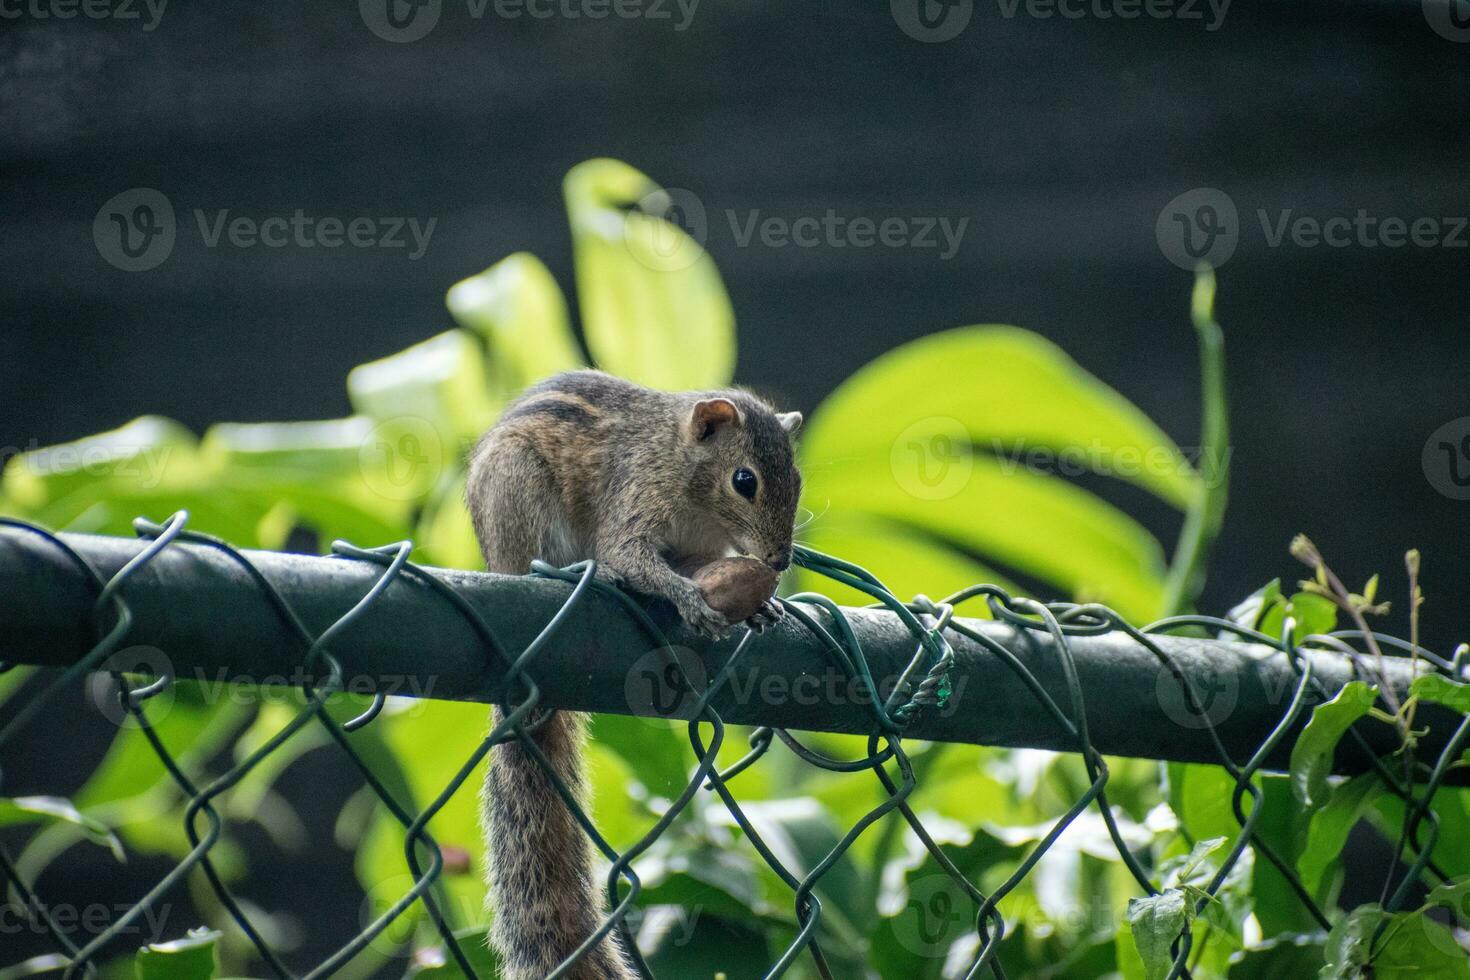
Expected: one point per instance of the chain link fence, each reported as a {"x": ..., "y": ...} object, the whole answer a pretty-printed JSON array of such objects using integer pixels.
[{"x": 1036, "y": 647}]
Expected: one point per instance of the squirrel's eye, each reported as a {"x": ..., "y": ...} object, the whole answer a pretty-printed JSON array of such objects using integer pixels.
[{"x": 744, "y": 483}]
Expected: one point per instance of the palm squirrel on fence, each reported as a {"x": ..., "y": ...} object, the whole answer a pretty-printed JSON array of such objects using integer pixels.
[{"x": 652, "y": 485}]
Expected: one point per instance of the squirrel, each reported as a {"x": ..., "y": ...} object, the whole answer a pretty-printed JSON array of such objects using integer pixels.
[{"x": 652, "y": 485}]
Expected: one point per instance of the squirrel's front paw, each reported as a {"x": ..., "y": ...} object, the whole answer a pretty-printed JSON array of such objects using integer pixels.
[
  {"x": 607, "y": 575},
  {"x": 703, "y": 619},
  {"x": 769, "y": 614}
]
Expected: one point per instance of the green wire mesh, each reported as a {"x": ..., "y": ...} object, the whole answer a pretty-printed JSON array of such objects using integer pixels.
[{"x": 924, "y": 684}]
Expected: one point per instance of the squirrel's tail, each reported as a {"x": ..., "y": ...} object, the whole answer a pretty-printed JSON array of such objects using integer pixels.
[{"x": 540, "y": 862}]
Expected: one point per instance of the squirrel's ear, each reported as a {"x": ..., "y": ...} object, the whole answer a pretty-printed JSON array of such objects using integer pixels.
[
  {"x": 710, "y": 415},
  {"x": 790, "y": 421}
]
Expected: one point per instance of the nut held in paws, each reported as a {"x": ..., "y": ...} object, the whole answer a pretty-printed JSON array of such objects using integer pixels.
[{"x": 736, "y": 586}]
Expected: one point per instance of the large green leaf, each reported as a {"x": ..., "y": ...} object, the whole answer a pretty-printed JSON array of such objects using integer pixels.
[
  {"x": 1350, "y": 944},
  {"x": 441, "y": 380},
  {"x": 242, "y": 517},
  {"x": 654, "y": 309},
  {"x": 148, "y": 452},
  {"x": 1438, "y": 689},
  {"x": 1327, "y": 834},
  {"x": 328, "y": 450},
  {"x": 1371, "y": 944},
  {"x": 621, "y": 817},
  {"x": 954, "y": 782},
  {"x": 1316, "y": 746},
  {"x": 430, "y": 402},
  {"x": 1005, "y": 391},
  {"x": 1044, "y": 953},
  {"x": 1311, "y": 613},
  {"x": 1155, "y": 922},
  {"x": 247, "y": 483},
  {"x": 333, "y": 476},
  {"x": 942, "y": 437},
  {"x": 517, "y": 307},
  {"x": 908, "y": 561},
  {"x": 1202, "y": 798},
  {"x": 1278, "y": 907},
  {"x": 30, "y": 809},
  {"x": 191, "y": 958},
  {"x": 149, "y": 467},
  {"x": 1039, "y": 525}
]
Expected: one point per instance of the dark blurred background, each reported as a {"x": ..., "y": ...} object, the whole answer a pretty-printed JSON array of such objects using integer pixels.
[{"x": 1059, "y": 139}]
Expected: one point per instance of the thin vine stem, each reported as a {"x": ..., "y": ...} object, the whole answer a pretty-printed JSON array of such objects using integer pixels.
[{"x": 1206, "y": 513}]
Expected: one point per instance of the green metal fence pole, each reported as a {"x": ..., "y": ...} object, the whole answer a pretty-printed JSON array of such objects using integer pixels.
[{"x": 202, "y": 613}]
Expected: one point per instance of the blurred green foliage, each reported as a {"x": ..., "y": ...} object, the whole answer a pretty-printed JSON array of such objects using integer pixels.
[{"x": 941, "y": 463}]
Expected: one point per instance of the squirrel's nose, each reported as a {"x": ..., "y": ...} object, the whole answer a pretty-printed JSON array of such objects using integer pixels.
[{"x": 779, "y": 560}]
